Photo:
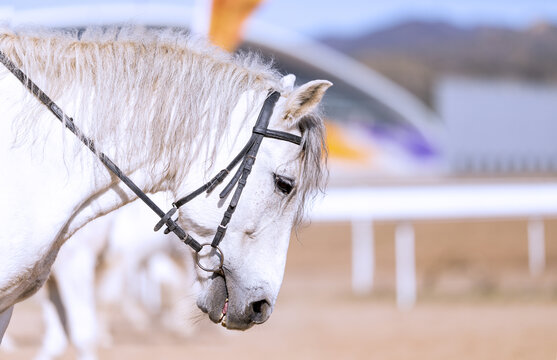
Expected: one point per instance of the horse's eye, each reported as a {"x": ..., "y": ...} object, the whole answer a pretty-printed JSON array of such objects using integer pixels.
[{"x": 283, "y": 184}]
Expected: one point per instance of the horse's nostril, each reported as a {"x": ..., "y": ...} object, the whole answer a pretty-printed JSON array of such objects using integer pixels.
[
  {"x": 260, "y": 311},
  {"x": 258, "y": 306}
]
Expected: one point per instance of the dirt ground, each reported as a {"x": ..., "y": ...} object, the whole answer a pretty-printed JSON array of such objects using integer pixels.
[{"x": 476, "y": 300}]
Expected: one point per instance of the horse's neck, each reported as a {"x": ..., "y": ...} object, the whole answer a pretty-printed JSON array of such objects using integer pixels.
[
  {"x": 100, "y": 192},
  {"x": 59, "y": 180},
  {"x": 51, "y": 190}
]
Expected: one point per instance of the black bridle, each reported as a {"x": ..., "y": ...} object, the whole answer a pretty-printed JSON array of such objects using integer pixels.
[{"x": 247, "y": 156}]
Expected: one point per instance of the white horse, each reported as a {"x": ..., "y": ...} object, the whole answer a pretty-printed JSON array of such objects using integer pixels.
[
  {"x": 144, "y": 270},
  {"x": 170, "y": 112},
  {"x": 69, "y": 306}
]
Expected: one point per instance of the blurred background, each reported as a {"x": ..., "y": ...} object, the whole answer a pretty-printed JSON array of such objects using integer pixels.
[{"x": 436, "y": 237}]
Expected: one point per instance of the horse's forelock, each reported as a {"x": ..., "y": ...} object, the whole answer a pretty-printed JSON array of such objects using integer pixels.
[{"x": 314, "y": 174}]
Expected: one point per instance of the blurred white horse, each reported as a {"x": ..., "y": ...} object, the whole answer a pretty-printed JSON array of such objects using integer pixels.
[
  {"x": 69, "y": 304},
  {"x": 137, "y": 266},
  {"x": 170, "y": 112}
]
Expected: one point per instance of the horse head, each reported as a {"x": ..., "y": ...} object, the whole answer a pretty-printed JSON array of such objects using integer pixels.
[{"x": 282, "y": 179}]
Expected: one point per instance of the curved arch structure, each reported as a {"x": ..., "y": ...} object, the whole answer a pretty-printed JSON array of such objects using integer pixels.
[{"x": 392, "y": 96}]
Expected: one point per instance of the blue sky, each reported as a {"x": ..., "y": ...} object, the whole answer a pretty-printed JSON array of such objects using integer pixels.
[
  {"x": 351, "y": 16},
  {"x": 345, "y": 17}
]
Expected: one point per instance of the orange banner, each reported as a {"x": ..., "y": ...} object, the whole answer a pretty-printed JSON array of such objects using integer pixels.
[
  {"x": 227, "y": 19},
  {"x": 341, "y": 147}
]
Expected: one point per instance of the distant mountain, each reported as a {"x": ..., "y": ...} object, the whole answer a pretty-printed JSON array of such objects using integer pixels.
[{"x": 416, "y": 53}]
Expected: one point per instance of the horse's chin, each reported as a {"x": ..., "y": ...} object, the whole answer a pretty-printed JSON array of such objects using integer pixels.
[{"x": 213, "y": 299}]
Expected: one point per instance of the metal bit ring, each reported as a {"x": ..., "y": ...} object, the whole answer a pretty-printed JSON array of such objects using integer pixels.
[{"x": 219, "y": 254}]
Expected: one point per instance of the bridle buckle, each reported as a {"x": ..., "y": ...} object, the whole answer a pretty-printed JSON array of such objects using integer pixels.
[{"x": 165, "y": 219}]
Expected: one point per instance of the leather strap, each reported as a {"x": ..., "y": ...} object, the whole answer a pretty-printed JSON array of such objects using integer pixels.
[{"x": 279, "y": 135}]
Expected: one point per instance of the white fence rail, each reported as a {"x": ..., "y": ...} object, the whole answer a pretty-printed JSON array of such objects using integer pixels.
[{"x": 403, "y": 204}]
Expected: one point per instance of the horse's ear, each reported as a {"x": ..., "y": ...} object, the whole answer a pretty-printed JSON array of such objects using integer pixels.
[
  {"x": 305, "y": 99},
  {"x": 287, "y": 82}
]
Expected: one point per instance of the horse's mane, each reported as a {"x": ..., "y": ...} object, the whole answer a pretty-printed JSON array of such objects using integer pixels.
[{"x": 161, "y": 80}]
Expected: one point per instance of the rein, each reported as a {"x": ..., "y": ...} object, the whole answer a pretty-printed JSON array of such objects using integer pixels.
[{"x": 247, "y": 155}]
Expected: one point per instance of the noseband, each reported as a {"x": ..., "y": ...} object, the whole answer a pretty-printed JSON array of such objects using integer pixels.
[{"x": 247, "y": 156}]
